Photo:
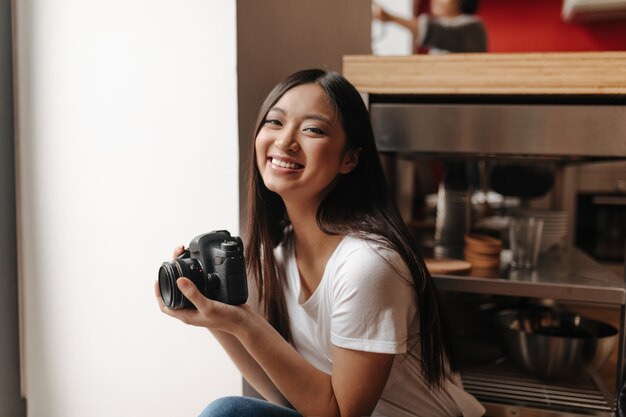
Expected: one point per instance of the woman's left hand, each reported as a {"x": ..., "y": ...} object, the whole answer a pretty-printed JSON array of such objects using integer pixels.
[{"x": 208, "y": 313}]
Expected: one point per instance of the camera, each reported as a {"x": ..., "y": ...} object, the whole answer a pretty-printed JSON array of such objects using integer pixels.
[{"x": 216, "y": 265}]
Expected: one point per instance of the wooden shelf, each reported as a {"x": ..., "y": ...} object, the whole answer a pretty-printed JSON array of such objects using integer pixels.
[{"x": 579, "y": 73}]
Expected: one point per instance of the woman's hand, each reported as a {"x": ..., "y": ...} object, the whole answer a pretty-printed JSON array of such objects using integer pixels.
[
  {"x": 211, "y": 314},
  {"x": 378, "y": 13}
]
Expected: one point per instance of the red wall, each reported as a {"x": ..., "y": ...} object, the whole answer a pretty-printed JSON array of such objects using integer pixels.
[{"x": 537, "y": 26}]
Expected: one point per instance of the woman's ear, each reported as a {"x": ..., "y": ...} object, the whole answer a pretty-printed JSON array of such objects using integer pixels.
[{"x": 350, "y": 161}]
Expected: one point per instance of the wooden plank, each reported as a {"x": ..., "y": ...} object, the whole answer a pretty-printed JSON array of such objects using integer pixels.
[{"x": 489, "y": 73}]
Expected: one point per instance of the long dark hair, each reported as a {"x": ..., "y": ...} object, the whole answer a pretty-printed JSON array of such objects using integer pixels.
[{"x": 359, "y": 204}]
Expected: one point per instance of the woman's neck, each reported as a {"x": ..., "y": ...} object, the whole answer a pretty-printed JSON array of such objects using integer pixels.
[
  {"x": 313, "y": 247},
  {"x": 303, "y": 218}
]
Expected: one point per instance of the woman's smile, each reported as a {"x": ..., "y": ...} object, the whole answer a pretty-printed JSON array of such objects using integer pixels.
[
  {"x": 300, "y": 147},
  {"x": 285, "y": 164}
]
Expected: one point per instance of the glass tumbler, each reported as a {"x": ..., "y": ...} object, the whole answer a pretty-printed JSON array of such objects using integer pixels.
[{"x": 525, "y": 238}]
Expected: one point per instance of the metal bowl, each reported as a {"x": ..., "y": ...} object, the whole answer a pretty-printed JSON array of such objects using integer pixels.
[{"x": 554, "y": 345}]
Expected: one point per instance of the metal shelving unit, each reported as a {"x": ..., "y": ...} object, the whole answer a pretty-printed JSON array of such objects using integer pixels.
[
  {"x": 567, "y": 276},
  {"x": 540, "y": 129},
  {"x": 505, "y": 390}
]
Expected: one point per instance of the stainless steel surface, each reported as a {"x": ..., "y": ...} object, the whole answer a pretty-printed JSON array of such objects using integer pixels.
[
  {"x": 505, "y": 390},
  {"x": 554, "y": 345},
  {"x": 571, "y": 276},
  {"x": 606, "y": 177},
  {"x": 584, "y": 132}
]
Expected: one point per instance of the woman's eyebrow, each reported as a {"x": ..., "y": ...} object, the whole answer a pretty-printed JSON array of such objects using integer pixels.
[
  {"x": 318, "y": 117},
  {"x": 311, "y": 116},
  {"x": 277, "y": 109}
]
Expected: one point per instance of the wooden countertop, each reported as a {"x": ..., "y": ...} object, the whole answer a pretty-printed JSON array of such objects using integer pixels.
[{"x": 579, "y": 73}]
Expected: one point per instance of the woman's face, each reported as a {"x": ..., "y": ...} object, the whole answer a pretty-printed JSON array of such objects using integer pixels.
[
  {"x": 444, "y": 8},
  {"x": 300, "y": 149}
]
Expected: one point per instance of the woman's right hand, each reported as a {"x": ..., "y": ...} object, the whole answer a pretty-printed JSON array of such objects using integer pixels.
[
  {"x": 378, "y": 13},
  {"x": 178, "y": 251},
  {"x": 213, "y": 315}
]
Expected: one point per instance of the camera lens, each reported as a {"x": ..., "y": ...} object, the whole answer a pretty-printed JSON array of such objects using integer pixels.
[{"x": 169, "y": 272}]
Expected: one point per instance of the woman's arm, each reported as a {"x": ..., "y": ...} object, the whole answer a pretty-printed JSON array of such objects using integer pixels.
[
  {"x": 249, "y": 368},
  {"x": 353, "y": 389},
  {"x": 412, "y": 24}
]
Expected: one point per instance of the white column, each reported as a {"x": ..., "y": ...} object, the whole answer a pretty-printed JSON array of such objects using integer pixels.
[{"x": 127, "y": 146}]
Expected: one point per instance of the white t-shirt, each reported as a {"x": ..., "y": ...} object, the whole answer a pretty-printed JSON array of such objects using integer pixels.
[{"x": 364, "y": 302}]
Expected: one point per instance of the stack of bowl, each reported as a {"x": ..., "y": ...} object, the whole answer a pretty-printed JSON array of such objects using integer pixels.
[{"x": 483, "y": 252}]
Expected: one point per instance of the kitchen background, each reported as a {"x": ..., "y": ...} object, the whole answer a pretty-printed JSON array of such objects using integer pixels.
[
  {"x": 534, "y": 26},
  {"x": 591, "y": 194},
  {"x": 540, "y": 26}
]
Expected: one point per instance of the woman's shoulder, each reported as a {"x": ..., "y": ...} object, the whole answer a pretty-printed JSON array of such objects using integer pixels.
[
  {"x": 366, "y": 245},
  {"x": 370, "y": 254}
]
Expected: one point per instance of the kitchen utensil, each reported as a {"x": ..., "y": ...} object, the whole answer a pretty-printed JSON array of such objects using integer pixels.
[
  {"x": 483, "y": 252},
  {"x": 483, "y": 244},
  {"x": 554, "y": 234},
  {"x": 447, "y": 266},
  {"x": 525, "y": 240},
  {"x": 451, "y": 222},
  {"x": 554, "y": 345}
]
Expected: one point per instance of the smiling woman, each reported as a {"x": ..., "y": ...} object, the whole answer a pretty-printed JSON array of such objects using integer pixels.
[
  {"x": 301, "y": 146},
  {"x": 337, "y": 296}
]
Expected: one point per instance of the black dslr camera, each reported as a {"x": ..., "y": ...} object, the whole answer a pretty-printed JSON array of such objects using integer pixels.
[{"x": 215, "y": 264}]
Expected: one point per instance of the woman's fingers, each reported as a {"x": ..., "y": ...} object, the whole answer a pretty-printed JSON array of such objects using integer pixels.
[
  {"x": 178, "y": 251},
  {"x": 157, "y": 290},
  {"x": 187, "y": 316},
  {"x": 208, "y": 313},
  {"x": 189, "y": 290}
]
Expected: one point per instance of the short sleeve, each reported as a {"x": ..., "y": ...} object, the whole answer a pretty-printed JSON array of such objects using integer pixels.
[{"x": 373, "y": 302}]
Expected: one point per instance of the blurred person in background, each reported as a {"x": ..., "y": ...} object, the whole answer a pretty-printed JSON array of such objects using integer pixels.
[{"x": 451, "y": 26}]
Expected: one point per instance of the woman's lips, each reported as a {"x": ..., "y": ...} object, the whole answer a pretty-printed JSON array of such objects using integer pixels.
[{"x": 284, "y": 163}]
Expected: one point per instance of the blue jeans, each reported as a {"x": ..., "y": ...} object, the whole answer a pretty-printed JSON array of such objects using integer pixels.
[{"x": 246, "y": 407}]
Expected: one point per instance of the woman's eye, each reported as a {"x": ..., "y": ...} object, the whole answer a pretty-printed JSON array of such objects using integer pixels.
[
  {"x": 275, "y": 122},
  {"x": 315, "y": 130}
]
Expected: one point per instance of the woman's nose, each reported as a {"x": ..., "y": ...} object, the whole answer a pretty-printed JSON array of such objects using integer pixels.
[{"x": 287, "y": 140}]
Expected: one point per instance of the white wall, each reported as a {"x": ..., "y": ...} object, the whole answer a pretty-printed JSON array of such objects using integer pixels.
[{"x": 127, "y": 146}]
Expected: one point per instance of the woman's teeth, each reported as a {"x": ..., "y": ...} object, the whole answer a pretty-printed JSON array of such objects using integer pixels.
[{"x": 283, "y": 164}]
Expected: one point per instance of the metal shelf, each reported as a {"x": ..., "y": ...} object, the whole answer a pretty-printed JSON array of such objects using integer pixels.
[
  {"x": 559, "y": 130},
  {"x": 505, "y": 390},
  {"x": 574, "y": 133},
  {"x": 568, "y": 276}
]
